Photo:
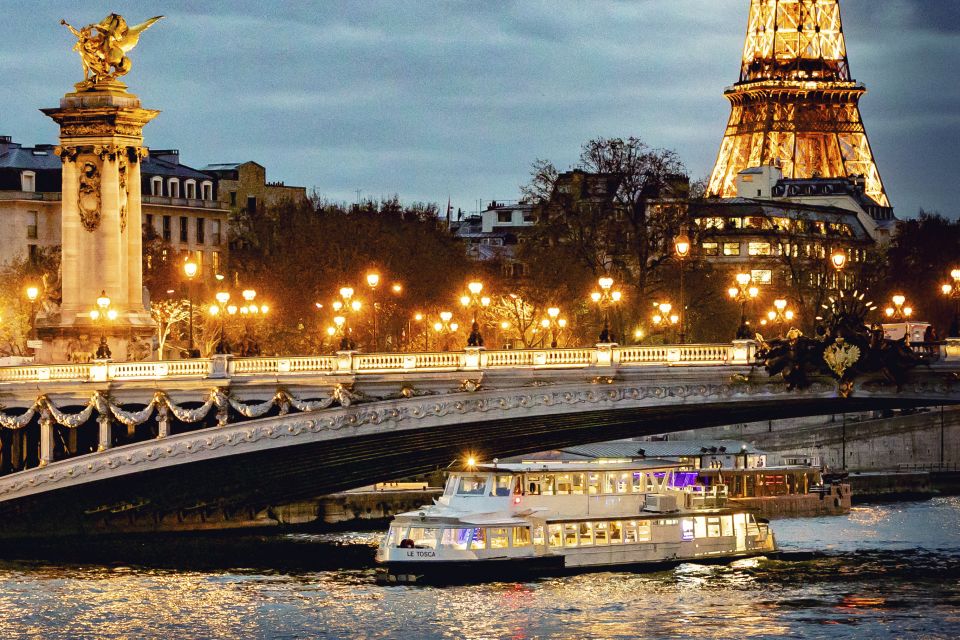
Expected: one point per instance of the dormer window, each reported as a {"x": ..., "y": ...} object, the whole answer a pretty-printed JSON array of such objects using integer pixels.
[
  {"x": 191, "y": 189},
  {"x": 28, "y": 181},
  {"x": 206, "y": 190},
  {"x": 156, "y": 186},
  {"x": 173, "y": 188}
]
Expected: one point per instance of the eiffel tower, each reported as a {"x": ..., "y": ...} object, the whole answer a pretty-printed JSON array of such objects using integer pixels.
[{"x": 796, "y": 104}]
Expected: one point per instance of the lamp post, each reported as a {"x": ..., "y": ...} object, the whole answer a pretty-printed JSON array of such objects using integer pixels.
[
  {"x": 662, "y": 317},
  {"x": 606, "y": 297},
  {"x": 681, "y": 244},
  {"x": 419, "y": 318},
  {"x": 838, "y": 259},
  {"x": 555, "y": 324},
  {"x": 741, "y": 294},
  {"x": 780, "y": 314},
  {"x": 190, "y": 269},
  {"x": 445, "y": 328},
  {"x": 373, "y": 281},
  {"x": 952, "y": 291},
  {"x": 33, "y": 293},
  {"x": 342, "y": 307},
  {"x": 218, "y": 310},
  {"x": 101, "y": 314},
  {"x": 474, "y": 301},
  {"x": 898, "y": 312}
]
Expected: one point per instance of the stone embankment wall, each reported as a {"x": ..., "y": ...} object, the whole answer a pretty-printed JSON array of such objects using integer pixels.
[{"x": 928, "y": 440}]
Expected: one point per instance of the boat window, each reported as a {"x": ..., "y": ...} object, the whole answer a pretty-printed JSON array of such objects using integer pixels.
[
  {"x": 538, "y": 535},
  {"x": 502, "y": 485},
  {"x": 423, "y": 537},
  {"x": 616, "y": 532},
  {"x": 600, "y": 532},
  {"x": 713, "y": 527},
  {"x": 700, "y": 527},
  {"x": 630, "y": 531},
  {"x": 556, "y": 535},
  {"x": 643, "y": 531},
  {"x": 473, "y": 486},
  {"x": 451, "y": 487},
  {"x": 586, "y": 534},
  {"x": 593, "y": 483},
  {"x": 547, "y": 484},
  {"x": 533, "y": 485},
  {"x": 498, "y": 538},
  {"x": 639, "y": 482},
  {"x": 570, "y": 534},
  {"x": 456, "y": 538},
  {"x": 609, "y": 483},
  {"x": 726, "y": 523},
  {"x": 391, "y": 536},
  {"x": 478, "y": 540},
  {"x": 577, "y": 481},
  {"x": 740, "y": 521},
  {"x": 564, "y": 484},
  {"x": 620, "y": 481},
  {"x": 687, "y": 529},
  {"x": 518, "y": 486},
  {"x": 521, "y": 536}
]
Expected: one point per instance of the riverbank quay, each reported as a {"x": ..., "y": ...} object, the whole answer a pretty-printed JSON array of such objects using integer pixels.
[{"x": 907, "y": 484}]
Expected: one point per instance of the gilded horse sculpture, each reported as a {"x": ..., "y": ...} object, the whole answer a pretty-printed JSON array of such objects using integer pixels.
[{"x": 103, "y": 47}]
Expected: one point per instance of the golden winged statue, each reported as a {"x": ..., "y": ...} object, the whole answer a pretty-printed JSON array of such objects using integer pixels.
[{"x": 103, "y": 47}]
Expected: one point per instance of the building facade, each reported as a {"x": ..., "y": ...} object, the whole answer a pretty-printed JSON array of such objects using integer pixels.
[
  {"x": 180, "y": 205},
  {"x": 243, "y": 187},
  {"x": 495, "y": 234}
]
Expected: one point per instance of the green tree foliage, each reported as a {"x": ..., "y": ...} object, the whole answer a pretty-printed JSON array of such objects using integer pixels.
[{"x": 16, "y": 311}]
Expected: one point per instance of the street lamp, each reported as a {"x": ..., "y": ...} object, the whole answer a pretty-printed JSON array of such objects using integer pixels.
[
  {"x": 445, "y": 328},
  {"x": 952, "y": 291},
  {"x": 102, "y": 313},
  {"x": 898, "y": 311},
  {"x": 780, "y": 314},
  {"x": 217, "y": 310},
  {"x": 373, "y": 281},
  {"x": 555, "y": 324},
  {"x": 606, "y": 297},
  {"x": 190, "y": 269},
  {"x": 32, "y": 294},
  {"x": 681, "y": 245},
  {"x": 474, "y": 301},
  {"x": 342, "y": 307},
  {"x": 742, "y": 293},
  {"x": 662, "y": 317}
]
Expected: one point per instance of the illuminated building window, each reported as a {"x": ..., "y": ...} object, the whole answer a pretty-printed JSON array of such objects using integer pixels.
[
  {"x": 731, "y": 248},
  {"x": 215, "y": 263},
  {"x": 711, "y": 249},
  {"x": 759, "y": 249},
  {"x": 761, "y": 276}
]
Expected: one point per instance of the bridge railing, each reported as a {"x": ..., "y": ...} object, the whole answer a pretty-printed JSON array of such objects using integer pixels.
[{"x": 354, "y": 362}]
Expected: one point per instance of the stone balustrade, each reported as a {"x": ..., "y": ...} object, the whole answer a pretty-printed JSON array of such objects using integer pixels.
[{"x": 353, "y": 362}]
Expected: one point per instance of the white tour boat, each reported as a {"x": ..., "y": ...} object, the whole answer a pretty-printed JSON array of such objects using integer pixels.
[{"x": 499, "y": 519}]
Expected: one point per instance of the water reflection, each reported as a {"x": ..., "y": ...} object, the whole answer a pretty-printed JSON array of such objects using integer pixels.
[{"x": 886, "y": 571}]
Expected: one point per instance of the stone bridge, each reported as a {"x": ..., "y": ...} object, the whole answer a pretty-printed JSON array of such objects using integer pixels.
[{"x": 151, "y": 446}]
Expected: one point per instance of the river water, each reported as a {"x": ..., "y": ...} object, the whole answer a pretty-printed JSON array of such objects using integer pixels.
[{"x": 884, "y": 571}]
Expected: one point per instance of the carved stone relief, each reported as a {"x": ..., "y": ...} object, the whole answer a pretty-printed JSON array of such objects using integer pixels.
[{"x": 88, "y": 194}]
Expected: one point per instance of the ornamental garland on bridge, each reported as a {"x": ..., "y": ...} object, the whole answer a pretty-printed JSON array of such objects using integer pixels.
[{"x": 162, "y": 403}]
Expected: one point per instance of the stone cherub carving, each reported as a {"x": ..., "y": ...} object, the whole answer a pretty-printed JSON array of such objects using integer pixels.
[{"x": 103, "y": 47}]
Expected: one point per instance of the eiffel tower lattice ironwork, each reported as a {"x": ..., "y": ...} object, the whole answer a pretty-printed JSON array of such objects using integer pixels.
[{"x": 796, "y": 104}]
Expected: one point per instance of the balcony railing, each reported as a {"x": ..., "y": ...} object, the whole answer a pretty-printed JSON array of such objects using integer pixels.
[
  {"x": 352, "y": 362},
  {"x": 195, "y": 203}
]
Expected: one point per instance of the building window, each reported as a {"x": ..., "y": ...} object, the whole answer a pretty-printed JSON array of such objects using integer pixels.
[
  {"x": 164, "y": 254},
  {"x": 711, "y": 249},
  {"x": 156, "y": 186},
  {"x": 731, "y": 248},
  {"x": 504, "y": 217},
  {"x": 32, "y": 219},
  {"x": 215, "y": 261},
  {"x": 216, "y": 232},
  {"x": 206, "y": 190},
  {"x": 166, "y": 228},
  {"x": 761, "y": 276},
  {"x": 184, "y": 229},
  {"x": 150, "y": 221},
  {"x": 528, "y": 216},
  {"x": 251, "y": 204},
  {"x": 173, "y": 188},
  {"x": 233, "y": 198},
  {"x": 759, "y": 249},
  {"x": 201, "y": 228},
  {"x": 190, "y": 186},
  {"x": 33, "y": 253},
  {"x": 28, "y": 181}
]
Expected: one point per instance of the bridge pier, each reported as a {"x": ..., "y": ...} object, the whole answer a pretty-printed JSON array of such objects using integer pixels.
[
  {"x": 46, "y": 437},
  {"x": 105, "y": 439}
]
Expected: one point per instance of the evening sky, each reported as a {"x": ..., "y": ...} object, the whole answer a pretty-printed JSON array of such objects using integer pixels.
[{"x": 430, "y": 99}]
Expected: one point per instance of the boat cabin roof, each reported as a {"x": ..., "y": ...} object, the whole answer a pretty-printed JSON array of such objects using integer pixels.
[{"x": 574, "y": 466}]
